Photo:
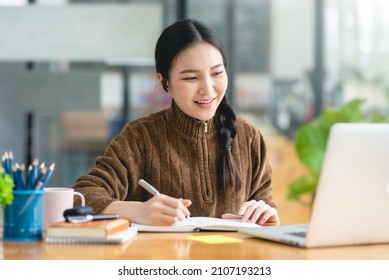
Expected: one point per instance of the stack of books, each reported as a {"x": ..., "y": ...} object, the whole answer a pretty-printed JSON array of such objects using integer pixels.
[{"x": 115, "y": 231}]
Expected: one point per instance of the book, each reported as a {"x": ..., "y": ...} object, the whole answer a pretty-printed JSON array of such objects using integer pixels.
[
  {"x": 198, "y": 224},
  {"x": 100, "y": 228},
  {"x": 116, "y": 238}
]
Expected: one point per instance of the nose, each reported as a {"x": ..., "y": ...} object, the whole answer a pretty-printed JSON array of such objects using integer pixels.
[{"x": 206, "y": 87}]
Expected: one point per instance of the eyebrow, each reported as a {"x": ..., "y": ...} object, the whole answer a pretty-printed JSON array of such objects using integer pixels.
[{"x": 195, "y": 71}]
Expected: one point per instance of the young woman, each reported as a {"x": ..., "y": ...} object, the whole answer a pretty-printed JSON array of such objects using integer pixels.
[{"x": 203, "y": 160}]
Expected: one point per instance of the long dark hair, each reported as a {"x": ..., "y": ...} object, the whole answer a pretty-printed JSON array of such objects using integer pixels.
[{"x": 175, "y": 39}]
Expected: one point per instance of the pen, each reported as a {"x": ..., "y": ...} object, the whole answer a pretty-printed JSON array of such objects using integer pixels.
[
  {"x": 10, "y": 162},
  {"x": 40, "y": 170},
  {"x": 151, "y": 189},
  {"x": 48, "y": 174},
  {"x": 18, "y": 177},
  {"x": 148, "y": 187}
]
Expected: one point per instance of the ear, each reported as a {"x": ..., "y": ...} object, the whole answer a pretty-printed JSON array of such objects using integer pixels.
[
  {"x": 162, "y": 82},
  {"x": 159, "y": 78}
]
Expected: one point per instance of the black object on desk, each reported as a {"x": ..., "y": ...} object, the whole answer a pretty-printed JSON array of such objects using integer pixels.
[{"x": 84, "y": 214}]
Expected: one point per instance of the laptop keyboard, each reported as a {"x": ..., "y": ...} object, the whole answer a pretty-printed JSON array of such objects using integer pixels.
[{"x": 299, "y": 234}]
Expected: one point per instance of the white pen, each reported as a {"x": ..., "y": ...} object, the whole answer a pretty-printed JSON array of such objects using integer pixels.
[
  {"x": 148, "y": 187},
  {"x": 151, "y": 189}
]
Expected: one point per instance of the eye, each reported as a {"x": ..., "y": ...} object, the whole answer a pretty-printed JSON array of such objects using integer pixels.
[
  {"x": 190, "y": 78},
  {"x": 217, "y": 73}
]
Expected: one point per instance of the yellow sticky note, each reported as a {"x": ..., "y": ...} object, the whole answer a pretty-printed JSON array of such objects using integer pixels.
[{"x": 215, "y": 239}]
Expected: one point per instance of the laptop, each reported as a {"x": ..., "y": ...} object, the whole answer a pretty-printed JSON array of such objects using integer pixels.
[{"x": 351, "y": 205}]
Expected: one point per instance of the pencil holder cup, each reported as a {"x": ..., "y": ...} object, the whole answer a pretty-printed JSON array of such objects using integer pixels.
[{"x": 23, "y": 219}]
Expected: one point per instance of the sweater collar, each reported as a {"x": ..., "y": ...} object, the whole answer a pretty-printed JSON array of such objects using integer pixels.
[{"x": 188, "y": 125}]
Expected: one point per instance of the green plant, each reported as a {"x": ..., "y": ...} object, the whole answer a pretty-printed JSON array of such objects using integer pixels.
[
  {"x": 311, "y": 142},
  {"x": 6, "y": 186}
]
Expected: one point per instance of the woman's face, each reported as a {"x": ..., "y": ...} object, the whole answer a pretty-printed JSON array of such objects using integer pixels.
[{"x": 198, "y": 80}]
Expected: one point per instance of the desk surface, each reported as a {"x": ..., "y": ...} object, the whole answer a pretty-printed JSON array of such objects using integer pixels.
[{"x": 168, "y": 246}]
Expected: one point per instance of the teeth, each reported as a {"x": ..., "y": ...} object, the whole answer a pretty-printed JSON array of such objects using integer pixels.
[{"x": 204, "y": 102}]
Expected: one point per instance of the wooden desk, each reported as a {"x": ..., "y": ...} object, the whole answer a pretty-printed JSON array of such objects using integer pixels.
[{"x": 177, "y": 246}]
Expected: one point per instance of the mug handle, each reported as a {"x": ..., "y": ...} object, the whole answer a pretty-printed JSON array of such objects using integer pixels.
[{"x": 81, "y": 197}]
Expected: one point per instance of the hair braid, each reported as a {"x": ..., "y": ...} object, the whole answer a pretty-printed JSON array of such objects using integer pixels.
[{"x": 228, "y": 174}]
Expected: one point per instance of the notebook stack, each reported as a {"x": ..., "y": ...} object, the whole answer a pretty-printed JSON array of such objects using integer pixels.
[{"x": 116, "y": 231}]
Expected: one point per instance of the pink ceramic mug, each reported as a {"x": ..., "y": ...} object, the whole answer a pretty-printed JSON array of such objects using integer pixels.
[{"x": 56, "y": 201}]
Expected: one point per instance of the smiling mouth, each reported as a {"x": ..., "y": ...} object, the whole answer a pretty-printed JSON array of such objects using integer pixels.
[{"x": 205, "y": 101}]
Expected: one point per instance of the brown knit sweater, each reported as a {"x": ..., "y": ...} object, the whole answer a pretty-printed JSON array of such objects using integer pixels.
[{"x": 174, "y": 153}]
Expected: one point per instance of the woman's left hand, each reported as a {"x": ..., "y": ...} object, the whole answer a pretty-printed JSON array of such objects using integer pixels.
[{"x": 256, "y": 212}]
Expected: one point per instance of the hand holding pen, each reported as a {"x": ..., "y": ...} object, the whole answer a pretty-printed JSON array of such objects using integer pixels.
[{"x": 163, "y": 209}]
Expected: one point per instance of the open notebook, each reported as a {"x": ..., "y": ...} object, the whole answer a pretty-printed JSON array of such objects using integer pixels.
[{"x": 198, "y": 224}]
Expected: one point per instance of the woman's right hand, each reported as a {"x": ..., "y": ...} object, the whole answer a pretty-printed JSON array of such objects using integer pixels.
[
  {"x": 160, "y": 210},
  {"x": 163, "y": 210}
]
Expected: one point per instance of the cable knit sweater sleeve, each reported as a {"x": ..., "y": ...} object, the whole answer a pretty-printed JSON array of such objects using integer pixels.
[
  {"x": 255, "y": 170},
  {"x": 261, "y": 184},
  {"x": 116, "y": 172}
]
